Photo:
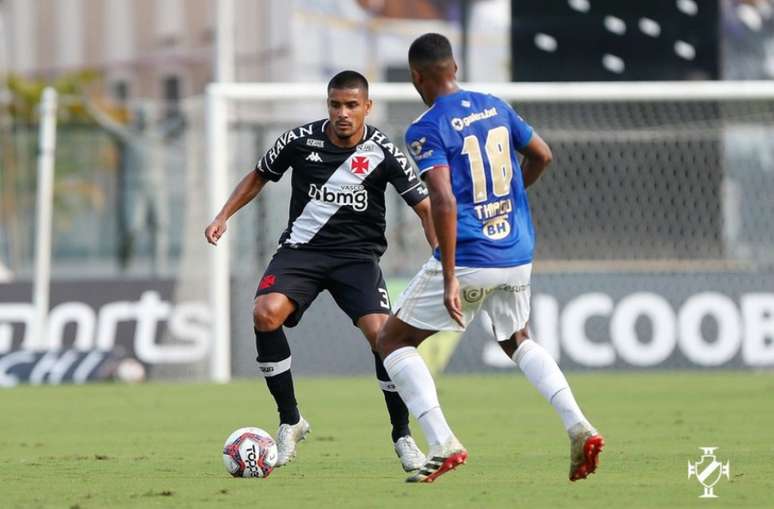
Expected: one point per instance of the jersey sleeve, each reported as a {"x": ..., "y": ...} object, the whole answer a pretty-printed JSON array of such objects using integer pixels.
[
  {"x": 425, "y": 147},
  {"x": 276, "y": 161},
  {"x": 402, "y": 176},
  {"x": 521, "y": 131}
]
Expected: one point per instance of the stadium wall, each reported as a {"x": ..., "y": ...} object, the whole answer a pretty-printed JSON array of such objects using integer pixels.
[{"x": 96, "y": 328}]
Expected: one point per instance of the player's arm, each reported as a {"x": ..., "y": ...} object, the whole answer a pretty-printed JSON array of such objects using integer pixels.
[
  {"x": 537, "y": 157},
  {"x": 444, "y": 215},
  {"x": 401, "y": 174},
  {"x": 270, "y": 168},
  {"x": 244, "y": 192},
  {"x": 536, "y": 152},
  {"x": 423, "y": 210}
]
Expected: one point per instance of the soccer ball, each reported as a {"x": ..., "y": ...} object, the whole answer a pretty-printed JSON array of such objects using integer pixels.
[{"x": 249, "y": 452}]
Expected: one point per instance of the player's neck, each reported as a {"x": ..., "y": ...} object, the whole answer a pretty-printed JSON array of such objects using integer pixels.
[
  {"x": 446, "y": 87},
  {"x": 343, "y": 142}
]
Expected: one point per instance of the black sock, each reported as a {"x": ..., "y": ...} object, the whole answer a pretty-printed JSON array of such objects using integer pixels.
[
  {"x": 274, "y": 362},
  {"x": 399, "y": 414},
  {"x": 281, "y": 387}
]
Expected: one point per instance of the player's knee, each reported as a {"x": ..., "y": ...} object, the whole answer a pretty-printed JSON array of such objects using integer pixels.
[
  {"x": 267, "y": 315},
  {"x": 380, "y": 342},
  {"x": 388, "y": 340},
  {"x": 371, "y": 325},
  {"x": 520, "y": 336},
  {"x": 511, "y": 344}
]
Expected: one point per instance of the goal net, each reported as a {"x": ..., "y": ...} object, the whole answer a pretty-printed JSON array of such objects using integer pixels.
[{"x": 655, "y": 223}]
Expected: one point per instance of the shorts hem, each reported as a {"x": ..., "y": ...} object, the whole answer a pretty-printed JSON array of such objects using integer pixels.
[
  {"x": 361, "y": 314},
  {"x": 426, "y": 326},
  {"x": 517, "y": 329}
]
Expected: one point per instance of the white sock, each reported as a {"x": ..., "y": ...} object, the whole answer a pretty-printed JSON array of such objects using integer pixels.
[
  {"x": 542, "y": 371},
  {"x": 415, "y": 385}
]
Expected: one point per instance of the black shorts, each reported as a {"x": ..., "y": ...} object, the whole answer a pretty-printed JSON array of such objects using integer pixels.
[{"x": 356, "y": 284}]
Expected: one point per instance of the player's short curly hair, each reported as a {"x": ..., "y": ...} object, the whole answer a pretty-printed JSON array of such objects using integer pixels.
[
  {"x": 429, "y": 49},
  {"x": 348, "y": 79}
]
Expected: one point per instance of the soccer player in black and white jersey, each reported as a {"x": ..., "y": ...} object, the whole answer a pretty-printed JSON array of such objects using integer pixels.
[{"x": 334, "y": 239}]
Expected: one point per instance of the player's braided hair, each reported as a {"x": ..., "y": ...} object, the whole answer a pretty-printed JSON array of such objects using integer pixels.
[
  {"x": 429, "y": 49},
  {"x": 348, "y": 79}
]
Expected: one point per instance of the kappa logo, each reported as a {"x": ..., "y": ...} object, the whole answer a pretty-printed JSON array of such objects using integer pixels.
[
  {"x": 359, "y": 165},
  {"x": 314, "y": 157},
  {"x": 708, "y": 471}
]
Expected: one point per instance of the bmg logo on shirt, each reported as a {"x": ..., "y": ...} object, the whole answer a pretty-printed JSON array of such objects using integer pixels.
[{"x": 354, "y": 196}]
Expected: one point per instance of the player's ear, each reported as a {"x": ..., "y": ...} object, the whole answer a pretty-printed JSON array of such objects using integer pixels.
[
  {"x": 416, "y": 77},
  {"x": 368, "y": 105}
]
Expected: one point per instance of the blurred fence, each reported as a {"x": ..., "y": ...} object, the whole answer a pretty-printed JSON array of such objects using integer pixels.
[
  {"x": 653, "y": 185},
  {"x": 118, "y": 194}
]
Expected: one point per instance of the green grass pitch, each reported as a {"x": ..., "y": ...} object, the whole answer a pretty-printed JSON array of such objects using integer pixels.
[{"x": 159, "y": 445}]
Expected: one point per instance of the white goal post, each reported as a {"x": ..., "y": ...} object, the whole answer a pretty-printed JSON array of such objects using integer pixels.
[{"x": 219, "y": 96}]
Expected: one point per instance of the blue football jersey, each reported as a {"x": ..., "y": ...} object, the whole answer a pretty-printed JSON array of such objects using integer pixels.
[{"x": 477, "y": 135}]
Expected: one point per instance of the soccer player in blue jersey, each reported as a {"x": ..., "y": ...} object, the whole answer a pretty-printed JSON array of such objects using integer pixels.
[{"x": 465, "y": 147}]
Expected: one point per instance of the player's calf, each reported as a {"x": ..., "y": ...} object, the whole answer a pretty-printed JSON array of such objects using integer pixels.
[{"x": 274, "y": 364}]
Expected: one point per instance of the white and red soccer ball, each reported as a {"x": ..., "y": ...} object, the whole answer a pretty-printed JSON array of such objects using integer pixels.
[{"x": 249, "y": 452}]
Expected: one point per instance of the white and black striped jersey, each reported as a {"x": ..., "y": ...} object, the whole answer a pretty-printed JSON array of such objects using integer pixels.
[{"x": 337, "y": 201}]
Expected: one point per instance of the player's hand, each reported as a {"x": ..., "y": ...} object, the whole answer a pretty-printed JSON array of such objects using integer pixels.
[
  {"x": 215, "y": 231},
  {"x": 451, "y": 299}
]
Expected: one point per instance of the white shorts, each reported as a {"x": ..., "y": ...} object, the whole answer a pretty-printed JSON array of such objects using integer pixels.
[{"x": 499, "y": 295}]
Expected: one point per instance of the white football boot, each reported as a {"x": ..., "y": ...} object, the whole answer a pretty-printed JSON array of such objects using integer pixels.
[
  {"x": 288, "y": 436},
  {"x": 585, "y": 445},
  {"x": 441, "y": 459},
  {"x": 411, "y": 457}
]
